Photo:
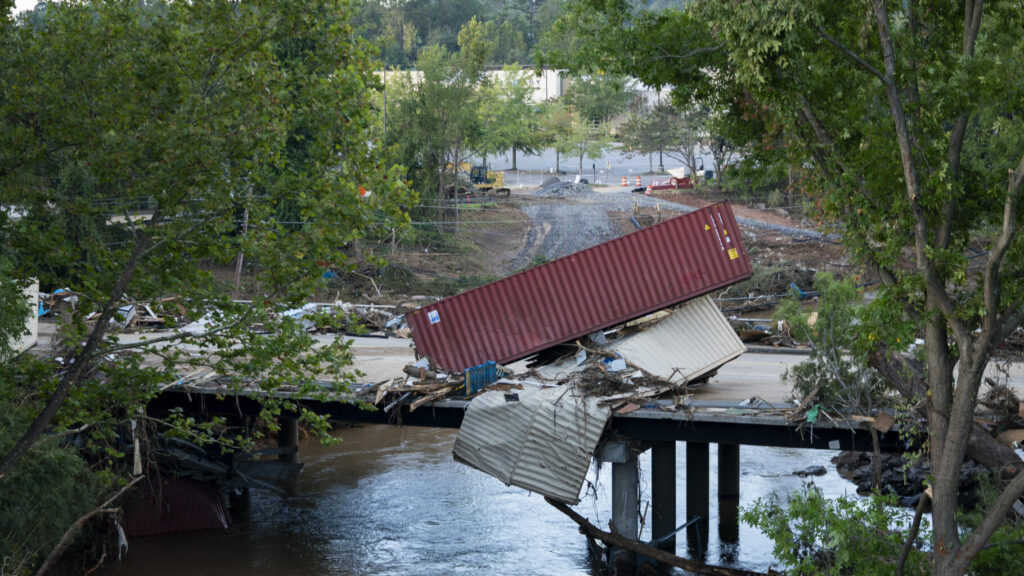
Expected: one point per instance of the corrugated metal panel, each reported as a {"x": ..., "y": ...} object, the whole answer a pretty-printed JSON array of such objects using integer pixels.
[
  {"x": 694, "y": 340},
  {"x": 539, "y": 439},
  {"x": 608, "y": 284}
]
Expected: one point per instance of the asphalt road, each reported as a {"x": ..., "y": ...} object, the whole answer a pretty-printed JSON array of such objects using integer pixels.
[{"x": 752, "y": 375}]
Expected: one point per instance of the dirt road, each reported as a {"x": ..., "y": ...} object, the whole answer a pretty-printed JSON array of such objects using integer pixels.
[{"x": 574, "y": 217}]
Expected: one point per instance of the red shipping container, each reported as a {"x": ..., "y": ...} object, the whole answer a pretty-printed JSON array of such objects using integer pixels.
[{"x": 605, "y": 285}]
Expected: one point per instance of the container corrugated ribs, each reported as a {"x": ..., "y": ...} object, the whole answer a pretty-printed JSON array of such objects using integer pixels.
[
  {"x": 607, "y": 284},
  {"x": 694, "y": 340},
  {"x": 538, "y": 439}
]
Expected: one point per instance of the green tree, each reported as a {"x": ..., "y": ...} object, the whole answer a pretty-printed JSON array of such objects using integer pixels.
[
  {"x": 132, "y": 138},
  {"x": 596, "y": 99},
  {"x": 440, "y": 21},
  {"x": 910, "y": 121},
  {"x": 815, "y": 535},
  {"x": 667, "y": 131},
  {"x": 437, "y": 113},
  {"x": 557, "y": 122},
  {"x": 508, "y": 115},
  {"x": 14, "y": 308},
  {"x": 402, "y": 27},
  {"x": 644, "y": 134}
]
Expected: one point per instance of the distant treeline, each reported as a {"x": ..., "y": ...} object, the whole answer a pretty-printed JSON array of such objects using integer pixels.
[{"x": 401, "y": 28}]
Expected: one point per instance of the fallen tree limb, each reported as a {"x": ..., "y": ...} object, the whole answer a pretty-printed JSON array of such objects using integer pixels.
[
  {"x": 72, "y": 530},
  {"x": 640, "y": 548},
  {"x": 922, "y": 505}
]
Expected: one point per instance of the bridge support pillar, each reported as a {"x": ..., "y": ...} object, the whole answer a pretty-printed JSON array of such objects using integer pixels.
[
  {"x": 728, "y": 493},
  {"x": 625, "y": 499},
  {"x": 288, "y": 437},
  {"x": 697, "y": 496},
  {"x": 663, "y": 493}
]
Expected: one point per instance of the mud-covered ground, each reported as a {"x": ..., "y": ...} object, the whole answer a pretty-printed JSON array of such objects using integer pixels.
[{"x": 535, "y": 226}]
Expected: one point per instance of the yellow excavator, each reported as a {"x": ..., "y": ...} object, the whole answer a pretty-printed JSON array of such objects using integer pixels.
[
  {"x": 488, "y": 182},
  {"x": 480, "y": 181}
]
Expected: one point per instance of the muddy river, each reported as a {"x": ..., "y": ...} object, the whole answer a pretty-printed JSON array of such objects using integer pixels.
[{"x": 388, "y": 500}]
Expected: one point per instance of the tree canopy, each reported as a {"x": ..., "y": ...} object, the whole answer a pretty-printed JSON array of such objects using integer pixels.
[
  {"x": 402, "y": 28},
  {"x": 135, "y": 138},
  {"x": 594, "y": 99},
  {"x": 508, "y": 116},
  {"x": 907, "y": 122}
]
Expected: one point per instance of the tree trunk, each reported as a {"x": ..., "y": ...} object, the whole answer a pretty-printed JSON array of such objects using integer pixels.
[
  {"x": 558, "y": 166},
  {"x": 946, "y": 460},
  {"x": 73, "y": 530},
  {"x": 82, "y": 362},
  {"x": 440, "y": 199},
  {"x": 614, "y": 539},
  {"x": 514, "y": 158}
]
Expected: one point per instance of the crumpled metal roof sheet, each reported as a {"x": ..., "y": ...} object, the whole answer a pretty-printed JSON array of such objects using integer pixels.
[
  {"x": 694, "y": 340},
  {"x": 540, "y": 439},
  {"x": 602, "y": 286}
]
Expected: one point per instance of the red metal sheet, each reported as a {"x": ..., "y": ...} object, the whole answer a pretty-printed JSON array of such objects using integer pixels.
[
  {"x": 605, "y": 285},
  {"x": 175, "y": 505}
]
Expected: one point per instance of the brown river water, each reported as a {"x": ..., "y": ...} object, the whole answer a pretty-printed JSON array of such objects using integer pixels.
[{"x": 390, "y": 500}]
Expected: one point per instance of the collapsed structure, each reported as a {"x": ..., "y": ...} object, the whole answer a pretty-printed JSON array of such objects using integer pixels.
[{"x": 598, "y": 322}]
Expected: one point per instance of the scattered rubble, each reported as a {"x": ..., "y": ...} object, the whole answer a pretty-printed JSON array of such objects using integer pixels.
[
  {"x": 564, "y": 189},
  {"x": 664, "y": 354},
  {"x": 375, "y": 320}
]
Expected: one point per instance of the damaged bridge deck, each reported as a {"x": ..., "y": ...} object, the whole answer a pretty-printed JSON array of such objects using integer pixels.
[{"x": 753, "y": 423}]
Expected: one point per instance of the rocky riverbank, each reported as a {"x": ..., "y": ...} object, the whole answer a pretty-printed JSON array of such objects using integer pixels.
[{"x": 904, "y": 476}]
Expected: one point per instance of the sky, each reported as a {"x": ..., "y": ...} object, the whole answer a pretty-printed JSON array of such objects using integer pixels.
[{"x": 21, "y": 5}]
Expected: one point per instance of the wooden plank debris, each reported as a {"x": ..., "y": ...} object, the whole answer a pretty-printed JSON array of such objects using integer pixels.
[
  {"x": 430, "y": 397},
  {"x": 883, "y": 422},
  {"x": 629, "y": 407},
  {"x": 637, "y": 394},
  {"x": 419, "y": 372}
]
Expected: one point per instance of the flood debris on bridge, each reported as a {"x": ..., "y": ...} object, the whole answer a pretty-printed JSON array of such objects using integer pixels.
[
  {"x": 632, "y": 313},
  {"x": 160, "y": 315},
  {"x": 536, "y": 424},
  {"x": 605, "y": 330}
]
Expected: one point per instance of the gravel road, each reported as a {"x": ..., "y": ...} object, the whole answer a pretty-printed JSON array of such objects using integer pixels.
[{"x": 567, "y": 218}]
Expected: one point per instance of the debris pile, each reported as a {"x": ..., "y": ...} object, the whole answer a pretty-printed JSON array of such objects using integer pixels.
[
  {"x": 374, "y": 320},
  {"x": 564, "y": 189},
  {"x": 423, "y": 384},
  {"x": 665, "y": 353}
]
